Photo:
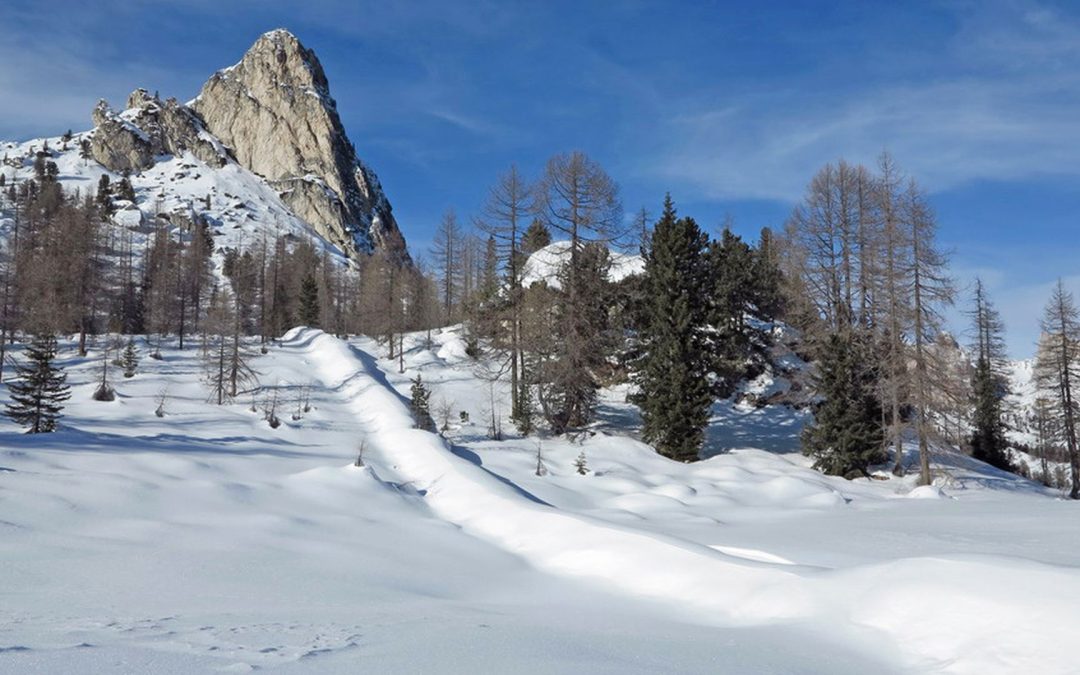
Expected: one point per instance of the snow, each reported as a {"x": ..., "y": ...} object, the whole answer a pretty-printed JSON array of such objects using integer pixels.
[
  {"x": 206, "y": 541},
  {"x": 545, "y": 264},
  {"x": 243, "y": 207}
]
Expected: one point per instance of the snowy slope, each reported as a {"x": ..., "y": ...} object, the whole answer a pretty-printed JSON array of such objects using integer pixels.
[
  {"x": 205, "y": 540},
  {"x": 242, "y": 206},
  {"x": 597, "y": 533}
]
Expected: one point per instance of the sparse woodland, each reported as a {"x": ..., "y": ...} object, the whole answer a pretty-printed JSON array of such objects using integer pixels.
[{"x": 856, "y": 269}]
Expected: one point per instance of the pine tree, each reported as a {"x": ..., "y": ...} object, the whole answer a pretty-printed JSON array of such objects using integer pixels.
[
  {"x": 39, "y": 389},
  {"x": 846, "y": 435},
  {"x": 672, "y": 373},
  {"x": 130, "y": 359},
  {"x": 536, "y": 237},
  {"x": 309, "y": 302},
  {"x": 419, "y": 405},
  {"x": 988, "y": 441},
  {"x": 732, "y": 293}
]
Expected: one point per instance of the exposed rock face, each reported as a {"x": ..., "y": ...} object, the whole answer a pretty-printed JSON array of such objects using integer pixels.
[
  {"x": 274, "y": 111},
  {"x": 131, "y": 140}
]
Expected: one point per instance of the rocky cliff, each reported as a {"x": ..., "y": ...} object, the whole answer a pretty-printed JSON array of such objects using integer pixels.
[
  {"x": 133, "y": 139},
  {"x": 274, "y": 112}
]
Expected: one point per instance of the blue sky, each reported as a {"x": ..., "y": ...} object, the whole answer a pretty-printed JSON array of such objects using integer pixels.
[{"x": 729, "y": 106}]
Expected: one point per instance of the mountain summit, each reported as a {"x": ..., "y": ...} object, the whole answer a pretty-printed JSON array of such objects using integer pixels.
[
  {"x": 267, "y": 127},
  {"x": 274, "y": 111}
]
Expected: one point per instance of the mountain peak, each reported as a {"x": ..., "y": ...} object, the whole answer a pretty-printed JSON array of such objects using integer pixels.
[{"x": 274, "y": 110}]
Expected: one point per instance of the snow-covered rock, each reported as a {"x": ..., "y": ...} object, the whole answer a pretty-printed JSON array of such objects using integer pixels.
[{"x": 544, "y": 264}]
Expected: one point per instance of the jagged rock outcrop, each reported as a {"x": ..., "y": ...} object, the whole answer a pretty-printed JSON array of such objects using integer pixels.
[
  {"x": 148, "y": 128},
  {"x": 274, "y": 111}
]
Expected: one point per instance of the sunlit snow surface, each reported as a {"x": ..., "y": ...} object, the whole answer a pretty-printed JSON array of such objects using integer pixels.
[{"x": 206, "y": 541}]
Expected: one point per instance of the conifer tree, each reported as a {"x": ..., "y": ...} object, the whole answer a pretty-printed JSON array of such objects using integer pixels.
[
  {"x": 130, "y": 359},
  {"x": 309, "y": 302},
  {"x": 732, "y": 294},
  {"x": 672, "y": 373},
  {"x": 40, "y": 388},
  {"x": 988, "y": 441},
  {"x": 419, "y": 404},
  {"x": 536, "y": 237},
  {"x": 846, "y": 435}
]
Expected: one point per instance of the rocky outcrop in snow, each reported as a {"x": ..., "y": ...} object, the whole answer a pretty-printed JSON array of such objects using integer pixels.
[
  {"x": 274, "y": 110},
  {"x": 147, "y": 129}
]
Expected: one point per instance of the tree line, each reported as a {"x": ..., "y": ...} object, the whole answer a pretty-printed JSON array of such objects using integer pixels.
[{"x": 856, "y": 268}]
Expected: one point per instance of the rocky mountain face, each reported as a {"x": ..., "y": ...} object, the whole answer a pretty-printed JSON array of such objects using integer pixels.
[
  {"x": 273, "y": 115},
  {"x": 274, "y": 111},
  {"x": 132, "y": 140}
]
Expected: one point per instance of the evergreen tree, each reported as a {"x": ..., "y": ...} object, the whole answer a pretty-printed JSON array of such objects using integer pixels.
[
  {"x": 419, "y": 405},
  {"x": 130, "y": 359},
  {"x": 846, "y": 436},
  {"x": 672, "y": 374},
  {"x": 309, "y": 302},
  {"x": 104, "y": 195},
  {"x": 767, "y": 279},
  {"x": 536, "y": 237},
  {"x": 569, "y": 377},
  {"x": 124, "y": 190},
  {"x": 39, "y": 389},
  {"x": 988, "y": 441},
  {"x": 732, "y": 263}
]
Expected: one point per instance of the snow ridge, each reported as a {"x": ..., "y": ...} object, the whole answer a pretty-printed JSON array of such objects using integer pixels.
[{"x": 951, "y": 614}]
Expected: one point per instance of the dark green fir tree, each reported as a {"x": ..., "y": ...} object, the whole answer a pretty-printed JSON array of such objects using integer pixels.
[
  {"x": 309, "y": 302},
  {"x": 674, "y": 392},
  {"x": 420, "y": 406},
  {"x": 130, "y": 359},
  {"x": 39, "y": 388},
  {"x": 845, "y": 437}
]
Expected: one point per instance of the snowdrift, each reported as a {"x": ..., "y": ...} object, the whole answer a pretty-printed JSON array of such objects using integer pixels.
[{"x": 962, "y": 614}]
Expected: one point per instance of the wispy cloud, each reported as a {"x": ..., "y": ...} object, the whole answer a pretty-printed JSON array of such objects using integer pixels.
[{"x": 1000, "y": 101}]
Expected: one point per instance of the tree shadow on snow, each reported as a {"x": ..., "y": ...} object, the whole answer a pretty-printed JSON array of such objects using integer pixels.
[{"x": 72, "y": 439}]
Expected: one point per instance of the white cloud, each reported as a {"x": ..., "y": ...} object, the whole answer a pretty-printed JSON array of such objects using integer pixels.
[{"x": 1001, "y": 102}]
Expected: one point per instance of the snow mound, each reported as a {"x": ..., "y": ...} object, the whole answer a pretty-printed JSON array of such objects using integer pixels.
[
  {"x": 545, "y": 264},
  {"x": 985, "y": 628}
]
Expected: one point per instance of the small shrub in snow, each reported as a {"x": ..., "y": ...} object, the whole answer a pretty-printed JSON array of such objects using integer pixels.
[
  {"x": 104, "y": 392},
  {"x": 270, "y": 406},
  {"x": 160, "y": 399},
  {"x": 581, "y": 464},
  {"x": 541, "y": 470},
  {"x": 444, "y": 410},
  {"x": 360, "y": 455}
]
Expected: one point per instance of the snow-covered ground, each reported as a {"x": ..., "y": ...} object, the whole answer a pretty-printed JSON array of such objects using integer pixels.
[
  {"x": 546, "y": 263},
  {"x": 242, "y": 208},
  {"x": 205, "y": 540}
]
